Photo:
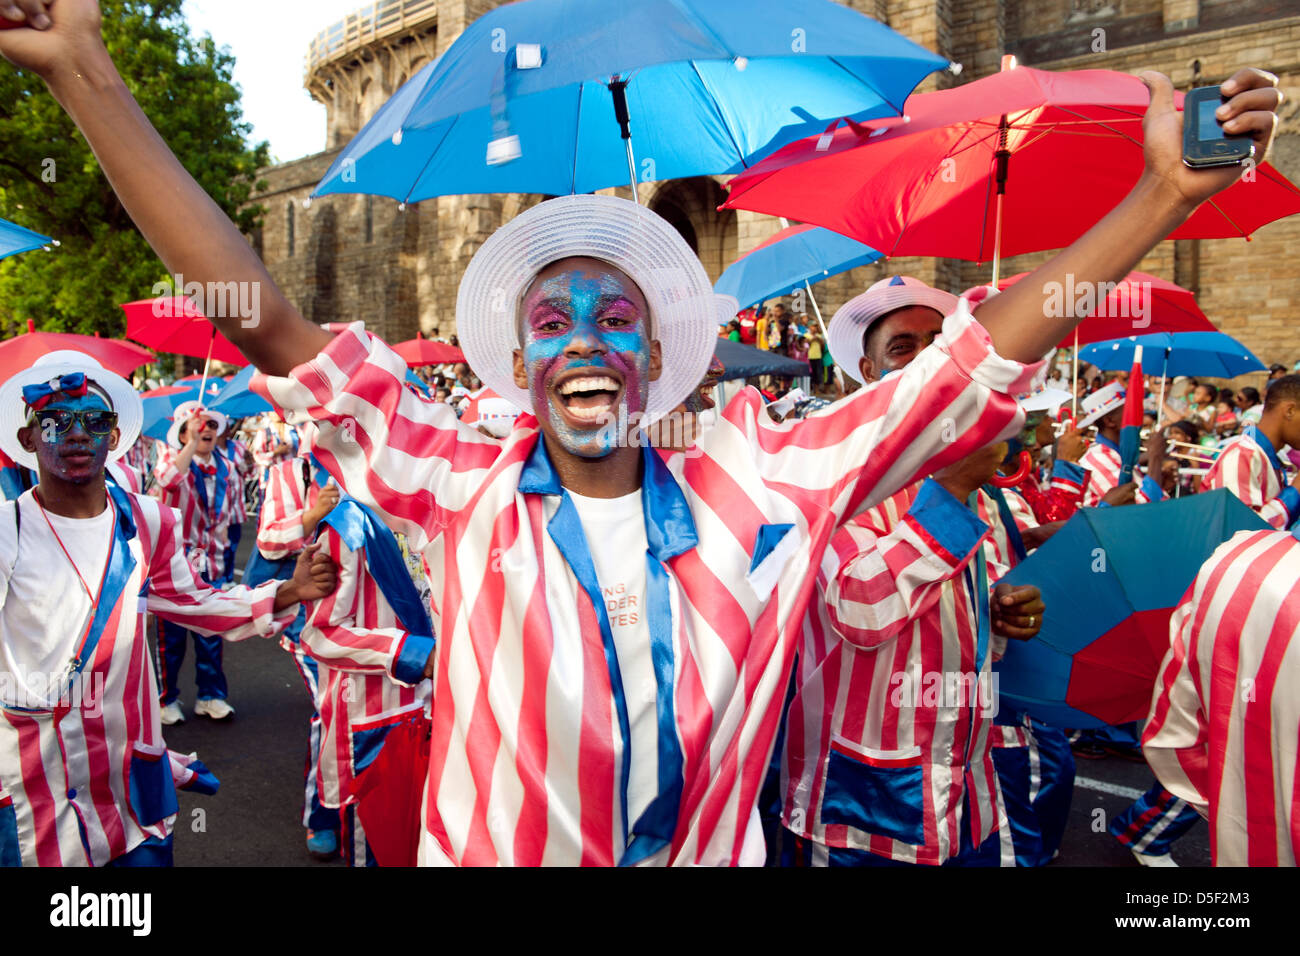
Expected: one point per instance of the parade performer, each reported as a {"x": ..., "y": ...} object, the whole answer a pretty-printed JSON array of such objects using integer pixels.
[
  {"x": 1250, "y": 465},
  {"x": 373, "y": 643},
  {"x": 638, "y": 734},
  {"x": 273, "y": 443},
  {"x": 195, "y": 481},
  {"x": 298, "y": 495},
  {"x": 886, "y": 760},
  {"x": 1222, "y": 732},
  {"x": 1105, "y": 407},
  {"x": 239, "y": 465},
  {"x": 85, "y": 778}
]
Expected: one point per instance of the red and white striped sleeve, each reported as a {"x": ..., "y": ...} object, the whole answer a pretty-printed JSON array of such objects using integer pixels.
[
  {"x": 179, "y": 595},
  {"x": 1243, "y": 470},
  {"x": 1176, "y": 739},
  {"x": 279, "y": 528},
  {"x": 166, "y": 475},
  {"x": 952, "y": 399},
  {"x": 343, "y": 629},
  {"x": 876, "y": 583},
  {"x": 407, "y": 458}
]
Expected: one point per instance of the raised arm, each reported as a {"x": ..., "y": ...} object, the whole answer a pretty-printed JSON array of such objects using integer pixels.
[
  {"x": 187, "y": 230},
  {"x": 1166, "y": 193}
]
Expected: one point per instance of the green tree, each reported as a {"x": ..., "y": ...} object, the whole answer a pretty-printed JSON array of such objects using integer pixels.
[{"x": 51, "y": 182}]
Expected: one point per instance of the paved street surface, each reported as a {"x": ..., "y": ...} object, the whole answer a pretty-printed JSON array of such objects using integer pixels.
[{"x": 259, "y": 756}]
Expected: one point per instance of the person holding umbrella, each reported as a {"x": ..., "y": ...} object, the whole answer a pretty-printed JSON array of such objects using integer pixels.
[
  {"x": 85, "y": 776},
  {"x": 1105, "y": 409},
  {"x": 1249, "y": 465},
  {"x": 594, "y": 315},
  {"x": 196, "y": 481}
]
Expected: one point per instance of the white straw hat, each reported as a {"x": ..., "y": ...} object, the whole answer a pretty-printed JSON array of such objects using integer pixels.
[
  {"x": 683, "y": 309},
  {"x": 13, "y": 410},
  {"x": 844, "y": 335},
  {"x": 184, "y": 411},
  {"x": 1101, "y": 402}
]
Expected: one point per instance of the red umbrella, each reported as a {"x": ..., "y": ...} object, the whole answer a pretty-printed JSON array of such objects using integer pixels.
[
  {"x": 1065, "y": 148},
  {"x": 22, "y": 351},
  {"x": 421, "y": 351},
  {"x": 175, "y": 324},
  {"x": 1139, "y": 305}
]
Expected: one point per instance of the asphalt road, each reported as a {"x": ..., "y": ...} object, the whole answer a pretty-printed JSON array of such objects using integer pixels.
[{"x": 260, "y": 754}]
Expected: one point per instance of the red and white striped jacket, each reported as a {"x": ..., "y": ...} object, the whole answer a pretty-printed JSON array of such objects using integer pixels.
[
  {"x": 527, "y": 754},
  {"x": 206, "y": 531},
  {"x": 1224, "y": 726},
  {"x": 279, "y": 530},
  {"x": 96, "y": 763},
  {"x": 890, "y": 730},
  {"x": 371, "y": 670},
  {"x": 1103, "y": 462},
  {"x": 236, "y": 461},
  {"x": 1255, "y": 476}
]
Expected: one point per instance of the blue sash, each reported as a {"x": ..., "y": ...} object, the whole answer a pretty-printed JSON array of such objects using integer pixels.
[
  {"x": 359, "y": 528},
  {"x": 1008, "y": 521},
  {"x": 121, "y": 562},
  {"x": 201, "y": 483},
  {"x": 670, "y": 531}
]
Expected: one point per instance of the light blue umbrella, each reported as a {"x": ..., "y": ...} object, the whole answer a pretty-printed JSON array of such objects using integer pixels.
[
  {"x": 237, "y": 400},
  {"x": 163, "y": 402},
  {"x": 544, "y": 96},
  {"x": 794, "y": 257},
  {"x": 1214, "y": 354},
  {"x": 15, "y": 239}
]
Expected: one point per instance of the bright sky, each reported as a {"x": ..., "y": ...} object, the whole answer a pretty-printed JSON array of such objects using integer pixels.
[{"x": 269, "y": 41}]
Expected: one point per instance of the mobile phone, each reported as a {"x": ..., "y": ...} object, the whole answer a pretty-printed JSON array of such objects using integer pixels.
[{"x": 1204, "y": 142}]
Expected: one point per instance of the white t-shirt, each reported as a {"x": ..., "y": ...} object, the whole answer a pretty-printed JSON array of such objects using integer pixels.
[
  {"x": 45, "y": 609},
  {"x": 615, "y": 532}
]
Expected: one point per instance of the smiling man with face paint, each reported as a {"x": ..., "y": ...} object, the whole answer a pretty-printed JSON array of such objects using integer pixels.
[
  {"x": 85, "y": 778},
  {"x": 537, "y": 752}
]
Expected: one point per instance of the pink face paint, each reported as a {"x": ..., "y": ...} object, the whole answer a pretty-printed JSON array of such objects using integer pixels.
[{"x": 585, "y": 343}]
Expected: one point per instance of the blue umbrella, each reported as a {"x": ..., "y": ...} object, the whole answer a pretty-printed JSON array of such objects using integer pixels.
[
  {"x": 160, "y": 406},
  {"x": 1098, "y": 668},
  {"x": 745, "y": 361},
  {"x": 1176, "y": 353},
  {"x": 237, "y": 400},
  {"x": 543, "y": 96},
  {"x": 792, "y": 258},
  {"x": 15, "y": 239}
]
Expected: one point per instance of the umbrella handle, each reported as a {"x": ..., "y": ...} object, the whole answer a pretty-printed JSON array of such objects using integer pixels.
[{"x": 1016, "y": 477}]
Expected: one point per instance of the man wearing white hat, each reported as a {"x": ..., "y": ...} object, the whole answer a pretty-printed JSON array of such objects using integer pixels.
[
  {"x": 875, "y": 772},
  {"x": 195, "y": 480},
  {"x": 1105, "y": 409},
  {"x": 85, "y": 778},
  {"x": 615, "y": 632}
]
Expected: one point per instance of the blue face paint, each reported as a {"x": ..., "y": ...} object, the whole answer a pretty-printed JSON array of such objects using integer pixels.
[
  {"x": 586, "y": 319},
  {"x": 76, "y": 456}
]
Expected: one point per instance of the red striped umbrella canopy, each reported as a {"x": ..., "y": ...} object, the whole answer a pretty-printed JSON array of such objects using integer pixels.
[
  {"x": 175, "y": 324},
  {"x": 421, "y": 351},
  {"x": 22, "y": 351}
]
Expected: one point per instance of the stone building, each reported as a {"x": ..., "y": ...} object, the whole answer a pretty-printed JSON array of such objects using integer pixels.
[{"x": 346, "y": 257}]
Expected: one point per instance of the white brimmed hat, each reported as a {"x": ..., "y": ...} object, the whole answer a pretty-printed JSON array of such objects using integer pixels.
[
  {"x": 844, "y": 335},
  {"x": 1101, "y": 402},
  {"x": 184, "y": 411},
  {"x": 14, "y": 413},
  {"x": 683, "y": 309}
]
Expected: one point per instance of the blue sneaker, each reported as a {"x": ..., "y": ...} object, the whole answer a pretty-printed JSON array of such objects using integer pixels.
[{"x": 323, "y": 845}]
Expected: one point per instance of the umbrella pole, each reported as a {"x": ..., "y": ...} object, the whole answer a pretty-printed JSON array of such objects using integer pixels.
[
  {"x": 618, "y": 89},
  {"x": 816, "y": 311},
  {"x": 1003, "y": 157},
  {"x": 997, "y": 241},
  {"x": 1160, "y": 409},
  {"x": 206, "y": 362},
  {"x": 1074, "y": 378}
]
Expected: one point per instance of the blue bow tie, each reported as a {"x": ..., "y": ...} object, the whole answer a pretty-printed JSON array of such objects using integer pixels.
[{"x": 38, "y": 396}]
